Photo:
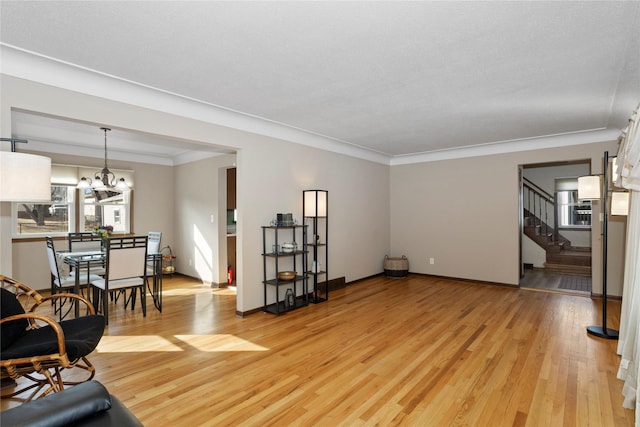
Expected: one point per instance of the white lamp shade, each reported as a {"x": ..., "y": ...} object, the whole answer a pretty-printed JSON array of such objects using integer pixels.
[
  {"x": 24, "y": 177},
  {"x": 310, "y": 208},
  {"x": 589, "y": 187},
  {"x": 619, "y": 203},
  {"x": 614, "y": 170}
]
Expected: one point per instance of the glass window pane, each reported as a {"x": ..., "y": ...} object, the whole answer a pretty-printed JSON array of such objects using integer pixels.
[
  {"x": 48, "y": 218},
  {"x": 97, "y": 211},
  {"x": 571, "y": 211}
]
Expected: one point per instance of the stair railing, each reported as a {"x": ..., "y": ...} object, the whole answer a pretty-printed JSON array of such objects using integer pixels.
[{"x": 538, "y": 202}]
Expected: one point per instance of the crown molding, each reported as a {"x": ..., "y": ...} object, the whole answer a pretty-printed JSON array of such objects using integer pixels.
[
  {"x": 27, "y": 65},
  {"x": 525, "y": 144}
]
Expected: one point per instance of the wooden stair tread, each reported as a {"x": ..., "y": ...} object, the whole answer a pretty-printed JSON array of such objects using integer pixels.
[
  {"x": 574, "y": 270},
  {"x": 561, "y": 256}
]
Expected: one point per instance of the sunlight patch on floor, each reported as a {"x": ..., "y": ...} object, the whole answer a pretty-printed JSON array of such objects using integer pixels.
[
  {"x": 135, "y": 344},
  {"x": 186, "y": 291},
  {"x": 220, "y": 342},
  {"x": 225, "y": 291},
  {"x": 205, "y": 343}
]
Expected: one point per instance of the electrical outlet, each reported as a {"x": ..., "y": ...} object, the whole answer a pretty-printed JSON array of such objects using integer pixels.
[
  {"x": 432, "y": 261},
  {"x": 190, "y": 263}
]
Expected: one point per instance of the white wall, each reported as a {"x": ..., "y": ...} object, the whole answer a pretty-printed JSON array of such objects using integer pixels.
[
  {"x": 464, "y": 214},
  {"x": 579, "y": 238},
  {"x": 532, "y": 253},
  {"x": 271, "y": 177},
  {"x": 544, "y": 176},
  {"x": 200, "y": 245}
]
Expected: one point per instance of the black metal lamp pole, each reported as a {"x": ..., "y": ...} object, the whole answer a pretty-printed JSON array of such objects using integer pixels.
[{"x": 603, "y": 331}]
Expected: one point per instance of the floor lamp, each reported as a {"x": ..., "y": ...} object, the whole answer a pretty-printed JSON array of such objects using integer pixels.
[{"x": 589, "y": 189}]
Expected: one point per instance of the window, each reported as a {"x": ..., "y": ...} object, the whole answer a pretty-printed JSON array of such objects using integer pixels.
[
  {"x": 72, "y": 210},
  {"x": 573, "y": 213},
  {"x": 57, "y": 217},
  {"x": 105, "y": 208}
]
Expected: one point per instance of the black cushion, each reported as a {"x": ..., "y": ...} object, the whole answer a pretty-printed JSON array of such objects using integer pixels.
[
  {"x": 60, "y": 409},
  {"x": 117, "y": 416},
  {"x": 10, "y": 331},
  {"x": 82, "y": 335},
  {"x": 87, "y": 404}
]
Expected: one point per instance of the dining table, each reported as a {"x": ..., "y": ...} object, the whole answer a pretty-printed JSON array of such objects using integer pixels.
[{"x": 88, "y": 259}]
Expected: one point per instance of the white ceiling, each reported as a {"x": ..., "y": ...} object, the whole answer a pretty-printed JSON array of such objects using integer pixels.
[{"x": 396, "y": 78}]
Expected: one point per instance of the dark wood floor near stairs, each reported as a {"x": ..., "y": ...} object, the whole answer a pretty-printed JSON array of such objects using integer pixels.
[
  {"x": 542, "y": 280},
  {"x": 418, "y": 351}
]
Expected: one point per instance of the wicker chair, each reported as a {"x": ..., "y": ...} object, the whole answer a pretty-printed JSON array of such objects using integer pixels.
[{"x": 37, "y": 347}]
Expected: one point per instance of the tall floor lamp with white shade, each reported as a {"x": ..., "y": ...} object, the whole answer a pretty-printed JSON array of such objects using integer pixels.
[{"x": 591, "y": 187}]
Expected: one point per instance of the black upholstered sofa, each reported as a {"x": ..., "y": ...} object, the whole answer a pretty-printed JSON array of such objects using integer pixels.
[{"x": 87, "y": 404}]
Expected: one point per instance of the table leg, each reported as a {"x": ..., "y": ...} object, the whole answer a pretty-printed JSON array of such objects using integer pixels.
[
  {"x": 76, "y": 290},
  {"x": 157, "y": 284}
]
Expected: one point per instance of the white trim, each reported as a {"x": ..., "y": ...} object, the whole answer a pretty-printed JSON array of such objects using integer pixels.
[
  {"x": 32, "y": 66},
  {"x": 544, "y": 142}
]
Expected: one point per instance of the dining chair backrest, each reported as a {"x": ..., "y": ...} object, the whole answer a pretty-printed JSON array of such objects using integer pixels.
[
  {"x": 126, "y": 257},
  {"x": 84, "y": 241},
  {"x": 51, "y": 255},
  {"x": 153, "y": 245},
  {"x": 56, "y": 264}
]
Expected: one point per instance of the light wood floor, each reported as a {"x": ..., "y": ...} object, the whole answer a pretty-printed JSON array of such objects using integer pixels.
[{"x": 419, "y": 351}]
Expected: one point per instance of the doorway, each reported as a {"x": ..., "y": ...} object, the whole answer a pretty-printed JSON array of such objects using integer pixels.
[
  {"x": 232, "y": 218},
  {"x": 555, "y": 248}
]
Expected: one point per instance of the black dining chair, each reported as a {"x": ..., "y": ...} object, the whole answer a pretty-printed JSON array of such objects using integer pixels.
[
  {"x": 62, "y": 279},
  {"x": 126, "y": 268},
  {"x": 86, "y": 242},
  {"x": 153, "y": 247}
]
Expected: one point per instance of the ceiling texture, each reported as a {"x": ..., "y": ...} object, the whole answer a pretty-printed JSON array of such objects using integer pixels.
[{"x": 399, "y": 80}]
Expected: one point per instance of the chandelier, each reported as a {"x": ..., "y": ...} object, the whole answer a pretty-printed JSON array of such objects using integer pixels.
[{"x": 105, "y": 179}]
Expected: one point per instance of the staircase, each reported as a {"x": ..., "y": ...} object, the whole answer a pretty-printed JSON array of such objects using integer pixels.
[{"x": 561, "y": 257}]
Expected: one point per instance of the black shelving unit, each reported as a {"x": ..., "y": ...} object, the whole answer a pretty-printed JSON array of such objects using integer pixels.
[
  {"x": 315, "y": 208},
  {"x": 274, "y": 237}
]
